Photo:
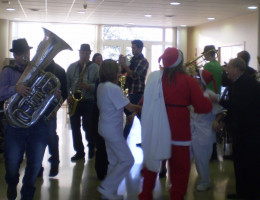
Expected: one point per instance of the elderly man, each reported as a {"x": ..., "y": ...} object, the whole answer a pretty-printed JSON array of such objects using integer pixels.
[{"x": 243, "y": 107}]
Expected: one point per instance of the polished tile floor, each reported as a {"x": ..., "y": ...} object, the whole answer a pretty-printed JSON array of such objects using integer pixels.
[{"x": 78, "y": 181}]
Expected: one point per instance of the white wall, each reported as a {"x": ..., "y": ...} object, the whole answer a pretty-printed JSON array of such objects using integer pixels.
[{"x": 238, "y": 30}]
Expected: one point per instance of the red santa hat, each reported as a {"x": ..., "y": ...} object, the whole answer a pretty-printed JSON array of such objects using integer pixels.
[
  {"x": 206, "y": 78},
  {"x": 171, "y": 57}
]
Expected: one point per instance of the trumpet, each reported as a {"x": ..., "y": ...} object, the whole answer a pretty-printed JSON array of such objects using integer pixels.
[{"x": 192, "y": 65}]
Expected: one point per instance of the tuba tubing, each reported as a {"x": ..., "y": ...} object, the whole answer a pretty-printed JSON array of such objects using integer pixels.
[{"x": 23, "y": 112}]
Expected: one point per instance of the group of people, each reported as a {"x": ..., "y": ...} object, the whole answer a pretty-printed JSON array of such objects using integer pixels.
[{"x": 179, "y": 115}]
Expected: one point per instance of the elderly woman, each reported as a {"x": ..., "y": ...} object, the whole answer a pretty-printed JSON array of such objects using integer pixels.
[{"x": 166, "y": 123}]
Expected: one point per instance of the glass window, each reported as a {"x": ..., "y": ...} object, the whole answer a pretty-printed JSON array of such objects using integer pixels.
[
  {"x": 156, "y": 53},
  {"x": 111, "y": 52},
  {"x": 131, "y": 33},
  {"x": 73, "y": 34},
  {"x": 168, "y": 35}
]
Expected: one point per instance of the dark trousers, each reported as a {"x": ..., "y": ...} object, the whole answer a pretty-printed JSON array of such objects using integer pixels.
[
  {"x": 32, "y": 141},
  {"x": 134, "y": 99},
  {"x": 246, "y": 157},
  {"x": 53, "y": 142},
  {"x": 101, "y": 160},
  {"x": 82, "y": 116}
]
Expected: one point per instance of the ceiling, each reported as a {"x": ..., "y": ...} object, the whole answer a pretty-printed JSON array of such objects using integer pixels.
[{"x": 125, "y": 12}]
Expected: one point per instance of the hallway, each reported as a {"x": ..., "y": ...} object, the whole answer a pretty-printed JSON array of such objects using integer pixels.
[{"x": 78, "y": 181}]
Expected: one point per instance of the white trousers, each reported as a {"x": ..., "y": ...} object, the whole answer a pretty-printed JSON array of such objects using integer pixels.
[
  {"x": 120, "y": 161},
  {"x": 202, "y": 155}
]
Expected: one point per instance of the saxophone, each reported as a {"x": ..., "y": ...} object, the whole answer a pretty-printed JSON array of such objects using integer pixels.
[
  {"x": 23, "y": 112},
  {"x": 77, "y": 94}
]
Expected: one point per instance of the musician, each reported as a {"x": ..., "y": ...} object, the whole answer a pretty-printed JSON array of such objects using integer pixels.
[
  {"x": 84, "y": 107},
  {"x": 32, "y": 141},
  {"x": 213, "y": 66},
  {"x": 243, "y": 106},
  {"x": 53, "y": 142},
  {"x": 135, "y": 78},
  {"x": 215, "y": 69}
]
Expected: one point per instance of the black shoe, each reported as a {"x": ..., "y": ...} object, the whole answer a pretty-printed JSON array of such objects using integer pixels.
[
  {"x": 91, "y": 153},
  {"x": 163, "y": 173},
  {"x": 40, "y": 174},
  {"x": 234, "y": 196},
  {"x": 77, "y": 157},
  {"x": 11, "y": 193},
  {"x": 54, "y": 170}
]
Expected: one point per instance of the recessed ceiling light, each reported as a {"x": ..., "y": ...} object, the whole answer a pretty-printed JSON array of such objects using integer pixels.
[
  {"x": 252, "y": 7},
  {"x": 10, "y": 9},
  {"x": 175, "y": 3},
  {"x": 169, "y": 16},
  {"x": 211, "y": 18},
  {"x": 81, "y": 12},
  {"x": 148, "y": 15}
]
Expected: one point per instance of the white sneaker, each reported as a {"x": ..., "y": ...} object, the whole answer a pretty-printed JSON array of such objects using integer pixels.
[
  {"x": 203, "y": 187},
  {"x": 109, "y": 196}
]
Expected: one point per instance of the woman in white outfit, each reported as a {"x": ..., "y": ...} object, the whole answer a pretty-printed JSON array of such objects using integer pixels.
[
  {"x": 203, "y": 136},
  {"x": 111, "y": 103}
]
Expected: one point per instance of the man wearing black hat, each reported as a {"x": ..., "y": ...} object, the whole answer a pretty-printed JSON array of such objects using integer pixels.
[
  {"x": 82, "y": 75},
  {"x": 215, "y": 69},
  {"x": 32, "y": 140},
  {"x": 213, "y": 66}
]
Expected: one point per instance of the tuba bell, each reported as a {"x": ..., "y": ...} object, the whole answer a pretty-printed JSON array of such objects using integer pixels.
[{"x": 23, "y": 112}]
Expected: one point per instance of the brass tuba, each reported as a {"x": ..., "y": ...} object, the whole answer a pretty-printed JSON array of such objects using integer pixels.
[{"x": 23, "y": 112}]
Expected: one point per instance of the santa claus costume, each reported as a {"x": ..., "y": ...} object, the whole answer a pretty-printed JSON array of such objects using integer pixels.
[{"x": 166, "y": 123}]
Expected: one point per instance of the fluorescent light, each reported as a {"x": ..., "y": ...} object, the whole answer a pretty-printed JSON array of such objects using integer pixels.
[
  {"x": 81, "y": 12},
  {"x": 252, "y": 7},
  {"x": 175, "y": 3},
  {"x": 148, "y": 15},
  {"x": 10, "y": 9},
  {"x": 211, "y": 18}
]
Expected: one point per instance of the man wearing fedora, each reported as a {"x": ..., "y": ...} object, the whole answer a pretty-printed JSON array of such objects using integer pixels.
[
  {"x": 30, "y": 141},
  {"x": 213, "y": 66},
  {"x": 215, "y": 69},
  {"x": 84, "y": 108}
]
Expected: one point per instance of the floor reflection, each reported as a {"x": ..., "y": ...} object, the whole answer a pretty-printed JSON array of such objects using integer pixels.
[{"x": 78, "y": 181}]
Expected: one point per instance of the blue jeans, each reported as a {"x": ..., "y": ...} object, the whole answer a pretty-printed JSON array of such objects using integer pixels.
[
  {"x": 32, "y": 141},
  {"x": 53, "y": 142},
  {"x": 84, "y": 110}
]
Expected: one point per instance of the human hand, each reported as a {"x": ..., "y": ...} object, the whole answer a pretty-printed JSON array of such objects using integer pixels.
[
  {"x": 69, "y": 100},
  {"x": 57, "y": 93},
  {"x": 22, "y": 90},
  {"x": 83, "y": 86}
]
